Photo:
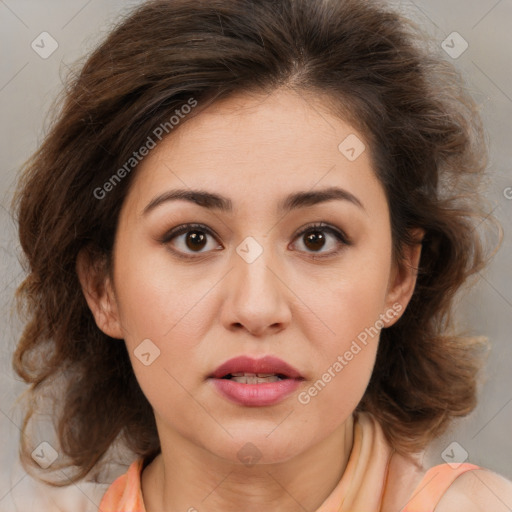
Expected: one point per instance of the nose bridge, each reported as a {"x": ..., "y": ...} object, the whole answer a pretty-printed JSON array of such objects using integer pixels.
[
  {"x": 256, "y": 295},
  {"x": 252, "y": 261}
]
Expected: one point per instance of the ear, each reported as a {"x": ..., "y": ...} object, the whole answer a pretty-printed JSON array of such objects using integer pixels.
[
  {"x": 98, "y": 291},
  {"x": 403, "y": 278}
]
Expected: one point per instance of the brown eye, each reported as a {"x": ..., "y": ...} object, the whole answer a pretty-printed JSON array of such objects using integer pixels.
[
  {"x": 316, "y": 237},
  {"x": 190, "y": 238},
  {"x": 195, "y": 240},
  {"x": 315, "y": 240}
]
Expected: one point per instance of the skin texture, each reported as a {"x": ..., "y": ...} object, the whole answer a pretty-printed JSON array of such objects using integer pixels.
[
  {"x": 200, "y": 312},
  {"x": 478, "y": 491}
]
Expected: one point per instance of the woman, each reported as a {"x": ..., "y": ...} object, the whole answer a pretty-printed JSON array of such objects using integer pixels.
[{"x": 245, "y": 233}]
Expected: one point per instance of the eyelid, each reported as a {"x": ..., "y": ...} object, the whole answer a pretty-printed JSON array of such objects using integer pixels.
[
  {"x": 323, "y": 226},
  {"x": 185, "y": 228}
]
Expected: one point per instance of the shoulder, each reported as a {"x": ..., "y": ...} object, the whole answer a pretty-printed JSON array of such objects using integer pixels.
[
  {"x": 479, "y": 490},
  {"x": 467, "y": 488}
]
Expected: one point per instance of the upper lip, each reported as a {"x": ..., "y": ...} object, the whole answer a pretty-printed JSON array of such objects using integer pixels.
[{"x": 267, "y": 364}]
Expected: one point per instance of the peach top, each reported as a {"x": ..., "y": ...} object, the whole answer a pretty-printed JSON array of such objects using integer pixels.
[{"x": 360, "y": 489}]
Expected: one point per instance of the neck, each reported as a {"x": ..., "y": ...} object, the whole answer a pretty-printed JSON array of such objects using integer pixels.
[{"x": 186, "y": 477}]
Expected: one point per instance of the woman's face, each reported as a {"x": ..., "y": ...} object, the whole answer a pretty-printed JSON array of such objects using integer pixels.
[{"x": 253, "y": 277}]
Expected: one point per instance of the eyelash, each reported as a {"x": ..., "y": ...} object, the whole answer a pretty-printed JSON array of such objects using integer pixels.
[{"x": 320, "y": 226}]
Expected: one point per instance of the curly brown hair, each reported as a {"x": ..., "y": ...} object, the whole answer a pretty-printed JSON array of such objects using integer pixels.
[{"x": 378, "y": 72}]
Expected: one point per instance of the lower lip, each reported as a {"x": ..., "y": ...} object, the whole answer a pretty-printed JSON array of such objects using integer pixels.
[{"x": 256, "y": 395}]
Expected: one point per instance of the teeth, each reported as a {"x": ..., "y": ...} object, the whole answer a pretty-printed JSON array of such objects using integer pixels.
[
  {"x": 253, "y": 378},
  {"x": 247, "y": 374}
]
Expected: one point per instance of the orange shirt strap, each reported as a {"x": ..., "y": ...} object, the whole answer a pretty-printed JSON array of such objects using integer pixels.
[
  {"x": 434, "y": 484},
  {"x": 125, "y": 494}
]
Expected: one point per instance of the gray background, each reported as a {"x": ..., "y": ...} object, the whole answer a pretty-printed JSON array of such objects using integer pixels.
[{"x": 28, "y": 84}]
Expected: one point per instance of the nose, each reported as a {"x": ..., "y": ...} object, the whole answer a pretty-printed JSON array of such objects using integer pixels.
[{"x": 257, "y": 297}]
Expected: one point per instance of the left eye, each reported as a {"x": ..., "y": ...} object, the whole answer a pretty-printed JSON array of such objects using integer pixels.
[{"x": 314, "y": 238}]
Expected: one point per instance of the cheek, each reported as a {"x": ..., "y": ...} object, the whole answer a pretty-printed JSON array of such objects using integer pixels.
[
  {"x": 346, "y": 333},
  {"x": 330, "y": 398},
  {"x": 164, "y": 312},
  {"x": 157, "y": 300},
  {"x": 345, "y": 364},
  {"x": 345, "y": 302}
]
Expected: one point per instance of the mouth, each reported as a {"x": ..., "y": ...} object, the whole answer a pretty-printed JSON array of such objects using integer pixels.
[
  {"x": 254, "y": 378},
  {"x": 247, "y": 370},
  {"x": 255, "y": 382}
]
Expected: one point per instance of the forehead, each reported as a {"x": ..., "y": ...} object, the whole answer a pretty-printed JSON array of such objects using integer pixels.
[{"x": 255, "y": 148}]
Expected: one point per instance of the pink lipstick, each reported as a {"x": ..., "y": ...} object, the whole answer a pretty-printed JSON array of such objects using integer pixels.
[{"x": 256, "y": 382}]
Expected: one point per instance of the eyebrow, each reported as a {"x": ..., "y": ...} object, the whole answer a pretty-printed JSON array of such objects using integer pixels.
[{"x": 221, "y": 203}]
